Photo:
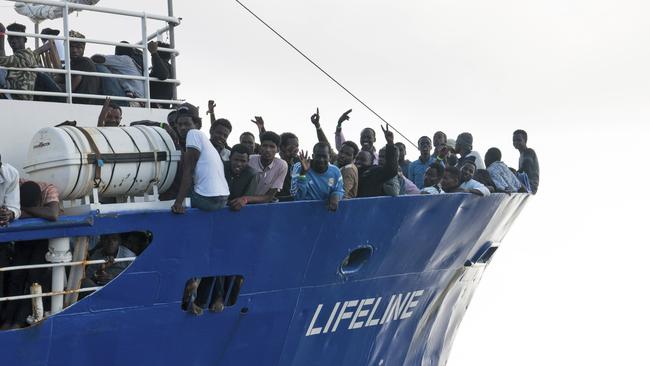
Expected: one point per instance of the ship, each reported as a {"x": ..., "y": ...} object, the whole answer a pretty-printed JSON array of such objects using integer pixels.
[{"x": 381, "y": 281}]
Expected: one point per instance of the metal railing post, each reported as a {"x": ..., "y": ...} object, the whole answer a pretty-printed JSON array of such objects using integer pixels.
[
  {"x": 66, "y": 34},
  {"x": 145, "y": 61},
  {"x": 172, "y": 45},
  {"x": 37, "y": 31},
  {"x": 59, "y": 253}
]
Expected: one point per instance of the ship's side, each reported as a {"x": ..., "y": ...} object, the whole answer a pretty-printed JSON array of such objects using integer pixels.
[{"x": 397, "y": 300}]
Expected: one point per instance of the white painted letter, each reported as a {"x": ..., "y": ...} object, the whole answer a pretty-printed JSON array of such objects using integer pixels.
[
  {"x": 329, "y": 321},
  {"x": 360, "y": 313},
  {"x": 412, "y": 304},
  {"x": 395, "y": 308},
  {"x": 344, "y": 314},
  {"x": 313, "y": 331},
  {"x": 372, "y": 322}
]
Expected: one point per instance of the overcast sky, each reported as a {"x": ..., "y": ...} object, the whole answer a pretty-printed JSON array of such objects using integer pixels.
[{"x": 569, "y": 284}]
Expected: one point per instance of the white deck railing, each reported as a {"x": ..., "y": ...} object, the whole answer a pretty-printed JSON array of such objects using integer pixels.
[{"x": 141, "y": 45}]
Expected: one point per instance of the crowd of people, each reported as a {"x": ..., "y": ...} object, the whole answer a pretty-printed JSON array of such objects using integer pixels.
[
  {"x": 215, "y": 175},
  {"x": 126, "y": 60}
]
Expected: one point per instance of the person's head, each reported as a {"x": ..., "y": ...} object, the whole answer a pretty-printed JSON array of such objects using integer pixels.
[
  {"x": 439, "y": 138},
  {"x": 433, "y": 175},
  {"x": 30, "y": 195},
  {"x": 519, "y": 139},
  {"x": 348, "y": 152},
  {"x": 49, "y": 32},
  {"x": 451, "y": 145},
  {"x": 402, "y": 151},
  {"x": 450, "y": 179},
  {"x": 363, "y": 159},
  {"x": 464, "y": 143},
  {"x": 76, "y": 48},
  {"x": 320, "y": 157},
  {"x": 239, "y": 155},
  {"x": 187, "y": 118},
  {"x": 424, "y": 145},
  {"x": 269, "y": 144},
  {"x": 248, "y": 139},
  {"x": 367, "y": 138},
  {"x": 492, "y": 155},
  {"x": 289, "y": 146},
  {"x": 219, "y": 132},
  {"x": 17, "y": 43},
  {"x": 123, "y": 50},
  {"x": 114, "y": 116},
  {"x": 110, "y": 244},
  {"x": 467, "y": 171}
]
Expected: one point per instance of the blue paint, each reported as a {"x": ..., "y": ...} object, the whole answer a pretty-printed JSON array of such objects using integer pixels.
[{"x": 289, "y": 255}]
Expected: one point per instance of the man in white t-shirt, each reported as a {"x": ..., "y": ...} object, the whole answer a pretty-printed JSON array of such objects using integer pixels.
[{"x": 203, "y": 179}]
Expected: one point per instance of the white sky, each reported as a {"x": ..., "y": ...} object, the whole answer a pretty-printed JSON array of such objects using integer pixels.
[{"x": 568, "y": 286}]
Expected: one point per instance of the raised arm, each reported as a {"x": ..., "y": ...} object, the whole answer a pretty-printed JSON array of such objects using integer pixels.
[
  {"x": 298, "y": 180},
  {"x": 259, "y": 122},
  {"x": 315, "y": 120},
  {"x": 210, "y": 111},
  {"x": 389, "y": 169},
  {"x": 158, "y": 67},
  {"x": 104, "y": 112},
  {"x": 339, "y": 139}
]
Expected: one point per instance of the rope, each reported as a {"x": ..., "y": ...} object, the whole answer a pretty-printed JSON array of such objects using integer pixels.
[{"x": 324, "y": 72}]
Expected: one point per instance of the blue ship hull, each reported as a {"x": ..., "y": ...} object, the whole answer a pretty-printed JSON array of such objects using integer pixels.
[{"x": 401, "y": 306}]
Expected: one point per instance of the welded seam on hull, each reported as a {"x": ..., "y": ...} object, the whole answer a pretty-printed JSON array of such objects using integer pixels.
[{"x": 300, "y": 292}]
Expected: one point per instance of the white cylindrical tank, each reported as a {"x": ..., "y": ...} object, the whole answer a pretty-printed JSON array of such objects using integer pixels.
[{"x": 132, "y": 160}]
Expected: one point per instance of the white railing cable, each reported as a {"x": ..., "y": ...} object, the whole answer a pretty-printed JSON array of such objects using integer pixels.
[
  {"x": 89, "y": 73},
  {"x": 66, "y": 264},
  {"x": 90, "y": 40},
  {"x": 49, "y": 294},
  {"x": 90, "y": 96}
]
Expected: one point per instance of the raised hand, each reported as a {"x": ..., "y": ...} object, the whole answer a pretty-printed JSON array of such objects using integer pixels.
[
  {"x": 104, "y": 112},
  {"x": 211, "y": 105},
  {"x": 259, "y": 122},
  {"x": 344, "y": 117},
  {"x": 305, "y": 162},
  {"x": 315, "y": 119},
  {"x": 152, "y": 47},
  {"x": 388, "y": 134}
]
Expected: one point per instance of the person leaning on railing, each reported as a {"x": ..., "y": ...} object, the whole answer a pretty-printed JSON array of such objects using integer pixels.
[
  {"x": 81, "y": 84},
  {"x": 22, "y": 58}
]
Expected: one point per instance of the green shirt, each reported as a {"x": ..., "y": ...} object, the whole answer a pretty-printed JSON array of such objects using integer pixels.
[{"x": 20, "y": 80}]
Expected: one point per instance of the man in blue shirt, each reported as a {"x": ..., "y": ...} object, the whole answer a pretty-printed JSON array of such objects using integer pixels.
[
  {"x": 316, "y": 179},
  {"x": 417, "y": 168}
]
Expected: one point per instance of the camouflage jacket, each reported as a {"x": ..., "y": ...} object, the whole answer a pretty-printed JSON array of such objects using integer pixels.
[{"x": 20, "y": 80}]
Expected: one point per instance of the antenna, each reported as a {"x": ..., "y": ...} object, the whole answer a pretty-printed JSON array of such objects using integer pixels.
[{"x": 324, "y": 72}]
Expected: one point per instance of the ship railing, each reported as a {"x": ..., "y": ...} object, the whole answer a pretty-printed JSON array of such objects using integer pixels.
[
  {"x": 171, "y": 21},
  {"x": 59, "y": 257}
]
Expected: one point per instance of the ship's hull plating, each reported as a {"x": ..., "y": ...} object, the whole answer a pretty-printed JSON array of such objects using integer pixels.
[{"x": 295, "y": 305}]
